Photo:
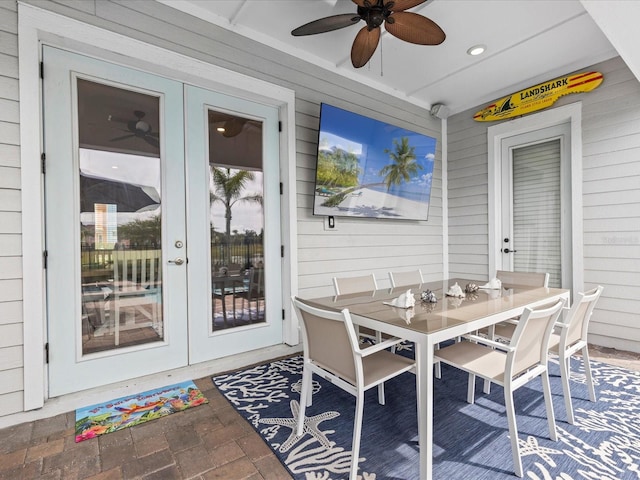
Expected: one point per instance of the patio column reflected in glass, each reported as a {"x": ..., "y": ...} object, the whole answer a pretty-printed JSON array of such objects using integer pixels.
[{"x": 120, "y": 217}]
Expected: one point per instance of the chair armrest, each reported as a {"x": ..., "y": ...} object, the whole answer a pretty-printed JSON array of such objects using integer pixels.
[
  {"x": 376, "y": 347},
  {"x": 489, "y": 343}
]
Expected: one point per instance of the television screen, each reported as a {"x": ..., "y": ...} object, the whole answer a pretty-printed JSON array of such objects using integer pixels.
[{"x": 369, "y": 168}]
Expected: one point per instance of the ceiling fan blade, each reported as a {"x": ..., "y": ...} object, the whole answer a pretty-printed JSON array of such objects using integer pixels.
[
  {"x": 152, "y": 141},
  {"x": 401, "y": 5},
  {"x": 326, "y": 24},
  {"x": 360, "y": 3},
  {"x": 414, "y": 28},
  {"x": 364, "y": 45},
  {"x": 123, "y": 137}
]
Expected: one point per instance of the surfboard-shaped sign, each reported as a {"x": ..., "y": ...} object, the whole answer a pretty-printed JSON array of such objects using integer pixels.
[{"x": 539, "y": 96}]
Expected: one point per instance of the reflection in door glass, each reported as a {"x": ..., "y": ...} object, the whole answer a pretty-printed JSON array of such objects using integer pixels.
[
  {"x": 120, "y": 217},
  {"x": 236, "y": 221}
]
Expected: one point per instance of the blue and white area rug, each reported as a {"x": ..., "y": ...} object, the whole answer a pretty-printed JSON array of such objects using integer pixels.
[{"x": 470, "y": 441}]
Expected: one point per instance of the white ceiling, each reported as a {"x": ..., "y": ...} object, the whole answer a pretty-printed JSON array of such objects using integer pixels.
[{"x": 528, "y": 42}]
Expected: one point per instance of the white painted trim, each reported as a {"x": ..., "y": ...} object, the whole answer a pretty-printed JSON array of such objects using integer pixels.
[
  {"x": 37, "y": 26},
  {"x": 445, "y": 200},
  {"x": 33, "y": 274},
  {"x": 495, "y": 134}
]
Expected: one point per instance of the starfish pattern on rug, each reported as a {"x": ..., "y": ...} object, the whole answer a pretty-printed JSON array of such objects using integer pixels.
[
  {"x": 311, "y": 426},
  {"x": 530, "y": 446}
]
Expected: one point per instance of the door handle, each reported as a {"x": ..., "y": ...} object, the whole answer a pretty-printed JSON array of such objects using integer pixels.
[
  {"x": 506, "y": 250},
  {"x": 177, "y": 261}
]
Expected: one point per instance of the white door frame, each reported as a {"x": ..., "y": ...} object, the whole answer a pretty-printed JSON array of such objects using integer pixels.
[
  {"x": 572, "y": 114},
  {"x": 37, "y": 26}
]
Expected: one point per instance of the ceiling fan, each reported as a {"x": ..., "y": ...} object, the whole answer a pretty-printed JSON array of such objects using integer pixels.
[
  {"x": 136, "y": 128},
  {"x": 406, "y": 26}
]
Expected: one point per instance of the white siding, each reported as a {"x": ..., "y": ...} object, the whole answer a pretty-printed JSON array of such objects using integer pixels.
[
  {"x": 611, "y": 200},
  {"x": 11, "y": 336},
  {"x": 357, "y": 246}
]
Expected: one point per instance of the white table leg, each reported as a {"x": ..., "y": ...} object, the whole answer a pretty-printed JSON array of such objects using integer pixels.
[{"x": 424, "y": 394}]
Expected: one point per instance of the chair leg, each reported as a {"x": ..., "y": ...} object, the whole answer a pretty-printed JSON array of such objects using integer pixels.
[
  {"x": 548, "y": 401},
  {"x": 587, "y": 372},
  {"x": 471, "y": 388},
  {"x": 305, "y": 396},
  {"x": 438, "y": 366},
  {"x": 357, "y": 430},
  {"x": 565, "y": 375},
  {"x": 513, "y": 431}
]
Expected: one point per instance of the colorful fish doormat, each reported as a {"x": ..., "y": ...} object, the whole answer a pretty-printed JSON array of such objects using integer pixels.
[
  {"x": 133, "y": 410},
  {"x": 471, "y": 442}
]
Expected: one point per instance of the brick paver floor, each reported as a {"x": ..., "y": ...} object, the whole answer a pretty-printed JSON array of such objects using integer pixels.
[{"x": 207, "y": 442}]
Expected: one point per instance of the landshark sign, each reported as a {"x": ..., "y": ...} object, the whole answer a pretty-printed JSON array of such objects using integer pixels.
[{"x": 539, "y": 96}]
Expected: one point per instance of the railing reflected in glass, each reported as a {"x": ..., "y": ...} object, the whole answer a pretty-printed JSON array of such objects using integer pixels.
[{"x": 120, "y": 217}]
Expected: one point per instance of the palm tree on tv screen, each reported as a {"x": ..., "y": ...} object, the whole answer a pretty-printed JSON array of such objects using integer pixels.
[{"x": 402, "y": 168}]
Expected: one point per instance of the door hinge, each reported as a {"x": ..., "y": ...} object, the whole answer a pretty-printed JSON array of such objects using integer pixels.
[
  {"x": 281, "y": 188},
  {"x": 45, "y": 256},
  {"x": 279, "y": 126},
  {"x": 283, "y": 314},
  {"x": 46, "y": 352},
  {"x": 42, "y": 70},
  {"x": 282, "y": 251},
  {"x": 43, "y": 158}
]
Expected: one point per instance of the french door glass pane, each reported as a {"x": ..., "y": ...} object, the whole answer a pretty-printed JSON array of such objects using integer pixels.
[
  {"x": 120, "y": 217},
  {"x": 537, "y": 209},
  {"x": 236, "y": 220}
]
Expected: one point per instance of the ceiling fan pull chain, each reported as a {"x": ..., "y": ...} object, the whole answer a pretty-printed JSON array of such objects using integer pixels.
[{"x": 381, "y": 62}]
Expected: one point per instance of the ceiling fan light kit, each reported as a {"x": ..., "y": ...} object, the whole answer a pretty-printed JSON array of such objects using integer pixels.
[{"x": 407, "y": 26}]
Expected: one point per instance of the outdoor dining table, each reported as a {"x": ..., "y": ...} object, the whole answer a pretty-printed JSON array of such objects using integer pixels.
[{"x": 428, "y": 324}]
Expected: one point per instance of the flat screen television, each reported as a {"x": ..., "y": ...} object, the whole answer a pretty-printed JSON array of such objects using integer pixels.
[{"x": 369, "y": 168}]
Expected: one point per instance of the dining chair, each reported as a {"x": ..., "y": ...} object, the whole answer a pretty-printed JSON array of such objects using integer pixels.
[
  {"x": 399, "y": 279},
  {"x": 572, "y": 337},
  {"x": 252, "y": 291},
  {"x": 347, "y": 285},
  {"x": 512, "y": 280},
  {"x": 331, "y": 350},
  {"x": 510, "y": 366}
]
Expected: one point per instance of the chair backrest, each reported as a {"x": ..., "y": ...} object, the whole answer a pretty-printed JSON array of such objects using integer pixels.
[
  {"x": 329, "y": 339},
  {"x": 579, "y": 316},
  {"x": 531, "y": 338},
  {"x": 346, "y": 285},
  {"x": 414, "y": 277},
  {"x": 528, "y": 279}
]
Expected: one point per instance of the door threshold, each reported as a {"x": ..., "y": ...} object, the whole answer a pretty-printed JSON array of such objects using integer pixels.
[{"x": 71, "y": 401}]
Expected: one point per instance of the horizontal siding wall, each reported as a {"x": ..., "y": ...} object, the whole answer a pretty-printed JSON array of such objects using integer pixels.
[
  {"x": 357, "y": 246},
  {"x": 611, "y": 196},
  {"x": 611, "y": 200},
  {"x": 11, "y": 327}
]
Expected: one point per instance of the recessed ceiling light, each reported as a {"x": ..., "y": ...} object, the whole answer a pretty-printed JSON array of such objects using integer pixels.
[{"x": 476, "y": 50}]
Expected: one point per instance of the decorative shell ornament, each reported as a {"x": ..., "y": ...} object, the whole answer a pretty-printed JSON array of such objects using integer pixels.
[
  {"x": 428, "y": 297},
  {"x": 493, "y": 284},
  {"x": 455, "y": 291},
  {"x": 471, "y": 288},
  {"x": 406, "y": 300}
]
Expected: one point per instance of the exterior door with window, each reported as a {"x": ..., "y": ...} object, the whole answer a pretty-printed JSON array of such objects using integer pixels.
[
  {"x": 115, "y": 226},
  {"x": 536, "y": 204},
  {"x": 233, "y": 223}
]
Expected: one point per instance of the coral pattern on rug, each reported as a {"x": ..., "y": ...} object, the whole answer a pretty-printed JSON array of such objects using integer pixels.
[{"x": 470, "y": 441}]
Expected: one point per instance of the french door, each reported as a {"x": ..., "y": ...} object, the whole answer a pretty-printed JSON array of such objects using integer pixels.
[{"x": 130, "y": 226}]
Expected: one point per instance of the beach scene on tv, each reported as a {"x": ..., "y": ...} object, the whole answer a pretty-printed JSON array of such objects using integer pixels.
[{"x": 369, "y": 168}]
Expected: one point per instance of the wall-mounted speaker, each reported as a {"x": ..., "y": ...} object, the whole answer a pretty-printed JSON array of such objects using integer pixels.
[{"x": 439, "y": 110}]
